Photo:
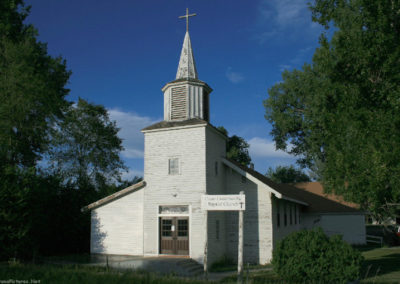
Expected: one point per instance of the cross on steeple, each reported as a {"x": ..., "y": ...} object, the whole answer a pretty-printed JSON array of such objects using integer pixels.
[{"x": 187, "y": 18}]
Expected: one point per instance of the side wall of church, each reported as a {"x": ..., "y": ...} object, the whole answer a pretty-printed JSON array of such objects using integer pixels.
[
  {"x": 289, "y": 218},
  {"x": 350, "y": 226},
  {"x": 184, "y": 188},
  {"x": 117, "y": 227},
  {"x": 215, "y": 149},
  {"x": 257, "y": 221}
]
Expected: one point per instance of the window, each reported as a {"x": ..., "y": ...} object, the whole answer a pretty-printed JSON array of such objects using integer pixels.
[
  {"x": 285, "y": 215},
  {"x": 173, "y": 166},
  {"x": 182, "y": 227},
  {"x": 166, "y": 228},
  {"x": 217, "y": 229},
  {"x": 178, "y": 103},
  {"x": 278, "y": 215},
  {"x": 173, "y": 209},
  {"x": 216, "y": 168}
]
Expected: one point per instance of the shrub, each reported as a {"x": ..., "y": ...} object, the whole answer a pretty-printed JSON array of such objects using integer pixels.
[{"x": 310, "y": 256}]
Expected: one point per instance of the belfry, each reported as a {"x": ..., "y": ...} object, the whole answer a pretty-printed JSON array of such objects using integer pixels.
[{"x": 186, "y": 97}]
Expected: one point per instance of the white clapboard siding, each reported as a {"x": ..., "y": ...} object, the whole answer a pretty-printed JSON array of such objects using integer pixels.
[
  {"x": 215, "y": 149},
  {"x": 117, "y": 227},
  {"x": 185, "y": 188},
  {"x": 257, "y": 220},
  {"x": 350, "y": 226}
]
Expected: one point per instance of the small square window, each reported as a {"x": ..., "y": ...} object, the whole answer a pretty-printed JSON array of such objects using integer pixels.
[{"x": 173, "y": 166}]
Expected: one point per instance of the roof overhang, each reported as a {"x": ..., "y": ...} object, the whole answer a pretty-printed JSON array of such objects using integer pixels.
[
  {"x": 114, "y": 196},
  {"x": 188, "y": 81},
  {"x": 260, "y": 183}
]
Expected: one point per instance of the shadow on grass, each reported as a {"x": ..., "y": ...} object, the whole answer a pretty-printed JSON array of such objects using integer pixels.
[{"x": 382, "y": 265}]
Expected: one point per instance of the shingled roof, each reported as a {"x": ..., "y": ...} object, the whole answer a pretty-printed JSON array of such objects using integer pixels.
[
  {"x": 315, "y": 203},
  {"x": 180, "y": 123},
  {"x": 114, "y": 196}
]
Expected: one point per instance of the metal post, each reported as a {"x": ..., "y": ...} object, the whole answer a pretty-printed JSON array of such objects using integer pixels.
[
  {"x": 240, "y": 246},
  {"x": 206, "y": 248}
]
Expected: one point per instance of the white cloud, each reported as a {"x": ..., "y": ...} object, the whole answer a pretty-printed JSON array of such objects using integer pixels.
[
  {"x": 130, "y": 125},
  {"x": 130, "y": 174},
  {"x": 284, "y": 18},
  {"x": 234, "y": 77},
  {"x": 284, "y": 13},
  {"x": 264, "y": 148},
  {"x": 283, "y": 67}
]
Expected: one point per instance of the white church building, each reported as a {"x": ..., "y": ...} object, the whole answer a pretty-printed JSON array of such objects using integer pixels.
[{"x": 185, "y": 158}]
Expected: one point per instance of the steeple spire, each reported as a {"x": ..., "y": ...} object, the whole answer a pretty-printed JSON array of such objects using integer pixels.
[{"x": 187, "y": 65}]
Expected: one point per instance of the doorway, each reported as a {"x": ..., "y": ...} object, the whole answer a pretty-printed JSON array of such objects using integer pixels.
[{"x": 174, "y": 235}]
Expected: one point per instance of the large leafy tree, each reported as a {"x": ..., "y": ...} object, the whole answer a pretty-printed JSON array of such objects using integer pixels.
[
  {"x": 32, "y": 88},
  {"x": 237, "y": 148},
  {"x": 288, "y": 174},
  {"x": 341, "y": 112},
  {"x": 85, "y": 146}
]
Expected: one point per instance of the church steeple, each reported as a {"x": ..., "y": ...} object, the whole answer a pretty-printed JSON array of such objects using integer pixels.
[
  {"x": 187, "y": 65},
  {"x": 187, "y": 97}
]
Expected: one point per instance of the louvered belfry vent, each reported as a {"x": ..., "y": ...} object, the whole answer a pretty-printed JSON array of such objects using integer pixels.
[{"x": 179, "y": 103}]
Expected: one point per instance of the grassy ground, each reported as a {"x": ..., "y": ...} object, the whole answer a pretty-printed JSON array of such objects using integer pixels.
[
  {"x": 382, "y": 265},
  {"x": 81, "y": 274}
]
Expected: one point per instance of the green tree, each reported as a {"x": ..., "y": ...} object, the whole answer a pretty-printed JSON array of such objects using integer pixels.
[
  {"x": 85, "y": 146},
  {"x": 237, "y": 148},
  {"x": 341, "y": 112},
  {"x": 287, "y": 174},
  {"x": 32, "y": 88}
]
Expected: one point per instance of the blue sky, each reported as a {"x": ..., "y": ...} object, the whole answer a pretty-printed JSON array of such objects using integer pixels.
[{"x": 122, "y": 52}]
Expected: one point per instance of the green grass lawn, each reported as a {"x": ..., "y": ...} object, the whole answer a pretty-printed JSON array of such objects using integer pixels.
[
  {"x": 382, "y": 265},
  {"x": 82, "y": 274}
]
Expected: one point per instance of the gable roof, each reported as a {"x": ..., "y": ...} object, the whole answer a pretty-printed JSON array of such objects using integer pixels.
[
  {"x": 317, "y": 188},
  {"x": 114, "y": 196},
  {"x": 313, "y": 203}
]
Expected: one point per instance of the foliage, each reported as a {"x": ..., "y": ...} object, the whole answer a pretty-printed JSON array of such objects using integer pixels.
[
  {"x": 85, "y": 274},
  {"x": 40, "y": 209},
  {"x": 32, "y": 88},
  {"x": 85, "y": 146},
  {"x": 225, "y": 263},
  {"x": 340, "y": 113},
  {"x": 287, "y": 174},
  {"x": 237, "y": 148},
  {"x": 310, "y": 256}
]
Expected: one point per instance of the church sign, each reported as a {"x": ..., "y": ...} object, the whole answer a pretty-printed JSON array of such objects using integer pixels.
[{"x": 227, "y": 202}]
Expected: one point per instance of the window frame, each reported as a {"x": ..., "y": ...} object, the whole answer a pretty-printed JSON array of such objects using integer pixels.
[{"x": 176, "y": 171}]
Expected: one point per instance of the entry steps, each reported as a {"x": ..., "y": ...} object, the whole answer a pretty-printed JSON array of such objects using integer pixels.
[{"x": 191, "y": 267}]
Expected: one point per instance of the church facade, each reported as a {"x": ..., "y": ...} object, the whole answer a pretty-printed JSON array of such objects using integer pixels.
[{"x": 185, "y": 158}]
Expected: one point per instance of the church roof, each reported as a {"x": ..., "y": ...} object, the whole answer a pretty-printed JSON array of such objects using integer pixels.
[
  {"x": 187, "y": 65},
  {"x": 114, "y": 196},
  {"x": 317, "y": 188},
  {"x": 315, "y": 203},
  {"x": 175, "y": 123}
]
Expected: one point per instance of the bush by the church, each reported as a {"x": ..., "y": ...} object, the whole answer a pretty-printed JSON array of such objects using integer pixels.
[{"x": 310, "y": 256}]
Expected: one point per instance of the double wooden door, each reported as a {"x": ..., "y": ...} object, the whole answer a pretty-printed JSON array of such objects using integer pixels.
[{"x": 174, "y": 235}]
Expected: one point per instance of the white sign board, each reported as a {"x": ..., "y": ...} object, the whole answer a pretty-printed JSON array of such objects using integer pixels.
[{"x": 228, "y": 202}]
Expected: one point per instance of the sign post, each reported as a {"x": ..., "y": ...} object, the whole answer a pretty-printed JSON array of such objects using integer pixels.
[
  {"x": 228, "y": 202},
  {"x": 240, "y": 245}
]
